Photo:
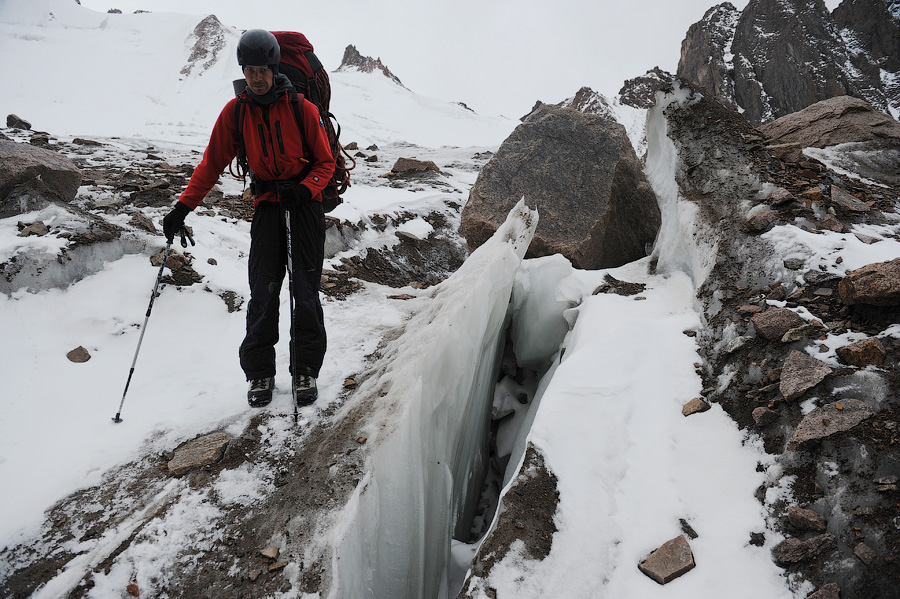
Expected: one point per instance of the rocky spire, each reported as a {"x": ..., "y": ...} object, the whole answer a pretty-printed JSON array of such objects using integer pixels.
[{"x": 353, "y": 60}]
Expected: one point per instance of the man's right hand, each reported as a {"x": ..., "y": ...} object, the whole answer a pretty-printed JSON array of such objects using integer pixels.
[{"x": 174, "y": 220}]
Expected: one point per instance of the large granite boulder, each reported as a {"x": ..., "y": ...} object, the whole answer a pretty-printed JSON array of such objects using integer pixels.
[
  {"x": 837, "y": 120},
  {"x": 580, "y": 172},
  {"x": 31, "y": 177}
]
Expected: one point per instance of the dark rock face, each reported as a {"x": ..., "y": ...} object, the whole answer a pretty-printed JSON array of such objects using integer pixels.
[
  {"x": 640, "y": 92},
  {"x": 874, "y": 26},
  {"x": 580, "y": 172},
  {"x": 779, "y": 56},
  {"x": 30, "y": 177},
  {"x": 703, "y": 51}
]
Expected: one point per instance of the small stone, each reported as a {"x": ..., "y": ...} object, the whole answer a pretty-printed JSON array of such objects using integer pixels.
[
  {"x": 828, "y": 420},
  {"x": 38, "y": 229},
  {"x": 361, "y": 440},
  {"x": 212, "y": 262},
  {"x": 764, "y": 416},
  {"x": 867, "y": 352},
  {"x": 887, "y": 480},
  {"x": 132, "y": 589},
  {"x": 671, "y": 560},
  {"x": 806, "y": 519},
  {"x": 762, "y": 221},
  {"x": 79, "y": 355},
  {"x": 829, "y": 591},
  {"x": 846, "y": 200},
  {"x": 270, "y": 552},
  {"x": 278, "y": 566},
  {"x": 801, "y": 372},
  {"x": 865, "y": 553},
  {"x": 865, "y": 511},
  {"x": 694, "y": 406},
  {"x": 794, "y": 263},
  {"x": 801, "y": 332},
  {"x": 254, "y": 574},
  {"x": 775, "y": 322},
  {"x": 749, "y": 309},
  {"x": 792, "y": 551},
  {"x": 866, "y": 239},
  {"x": 813, "y": 193},
  {"x": 200, "y": 452}
]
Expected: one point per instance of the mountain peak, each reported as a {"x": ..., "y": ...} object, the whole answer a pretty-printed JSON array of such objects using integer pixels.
[
  {"x": 209, "y": 40},
  {"x": 353, "y": 60}
]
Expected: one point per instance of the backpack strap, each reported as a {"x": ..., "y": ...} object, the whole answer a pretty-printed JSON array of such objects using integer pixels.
[
  {"x": 297, "y": 107},
  {"x": 242, "y": 169}
]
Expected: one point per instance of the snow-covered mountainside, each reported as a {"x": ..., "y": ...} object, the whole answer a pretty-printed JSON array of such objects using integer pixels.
[
  {"x": 487, "y": 425},
  {"x": 775, "y": 57}
]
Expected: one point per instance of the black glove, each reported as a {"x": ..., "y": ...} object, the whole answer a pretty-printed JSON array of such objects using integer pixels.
[
  {"x": 291, "y": 193},
  {"x": 174, "y": 221}
]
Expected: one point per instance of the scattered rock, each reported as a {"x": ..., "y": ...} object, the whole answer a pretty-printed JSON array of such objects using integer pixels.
[
  {"x": 694, "y": 406},
  {"x": 806, "y": 519},
  {"x": 827, "y": 420},
  {"x": 781, "y": 196},
  {"x": 762, "y": 221},
  {"x": 793, "y": 550},
  {"x": 200, "y": 452},
  {"x": 865, "y": 553},
  {"x": 847, "y": 201},
  {"x": 775, "y": 322},
  {"x": 132, "y": 589},
  {"x": 867, "y": 352},
  {"x": 874, "y": 284},
  {"x": 79, "y": 355},
  {"x": 800, "y": 373},
  {"x": 831, "y": 223},
  {"x": 16, "y": 122},
  {"x": 671, "y": 560},
  {"x": 764, "y": 416},
  {"x": 829, "y": 591},
  {"x": 139, "y": 220},
  {"x": 270, "y": 552},
  {"x": 38, "y": 229},
  {"x": 810, "y": 329},
  {"x": 411, "y": 166}
]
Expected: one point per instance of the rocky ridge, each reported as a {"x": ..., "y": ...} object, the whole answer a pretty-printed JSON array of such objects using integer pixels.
[{"x": 776, "y": 57}]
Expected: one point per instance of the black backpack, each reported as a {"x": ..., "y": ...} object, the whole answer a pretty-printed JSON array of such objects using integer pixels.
[{"x": 303, "y": 68}]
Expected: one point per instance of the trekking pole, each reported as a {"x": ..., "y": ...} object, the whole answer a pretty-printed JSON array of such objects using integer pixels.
[
  {"x": 117, "y": 419},
  {"x": 290, "y": 269}
]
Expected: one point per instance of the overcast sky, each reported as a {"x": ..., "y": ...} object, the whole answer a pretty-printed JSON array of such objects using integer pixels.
[{"x": 497, "y": 56}]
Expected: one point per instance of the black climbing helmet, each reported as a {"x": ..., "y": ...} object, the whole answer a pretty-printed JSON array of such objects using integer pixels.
[{"x": 258, "y": 47}]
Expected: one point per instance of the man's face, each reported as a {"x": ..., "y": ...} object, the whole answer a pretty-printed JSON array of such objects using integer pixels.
[{"x": 259, "y": 79}]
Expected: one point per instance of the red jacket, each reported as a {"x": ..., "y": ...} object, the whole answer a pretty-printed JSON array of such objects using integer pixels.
[{"x": 274, "y": 149}]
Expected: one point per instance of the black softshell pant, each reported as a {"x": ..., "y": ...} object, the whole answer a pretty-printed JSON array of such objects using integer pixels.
[{"x": 267, "y": 267}]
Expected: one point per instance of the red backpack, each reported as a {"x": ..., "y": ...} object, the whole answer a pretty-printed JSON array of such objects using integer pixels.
[{"x": 303, "y": 68}]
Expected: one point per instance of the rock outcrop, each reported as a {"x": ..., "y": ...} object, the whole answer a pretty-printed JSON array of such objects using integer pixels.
[
  {"x": 640, "y": 92},
  {"x": 354, "y": 61},
  {"x": 580, "y": 172},
  {"x": 32, "y": 177}
]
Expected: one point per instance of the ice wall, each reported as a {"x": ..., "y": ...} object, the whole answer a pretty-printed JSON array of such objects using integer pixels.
[
  {"x": 680, "y": 243},
  {"x": 431, "y": 428}
]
